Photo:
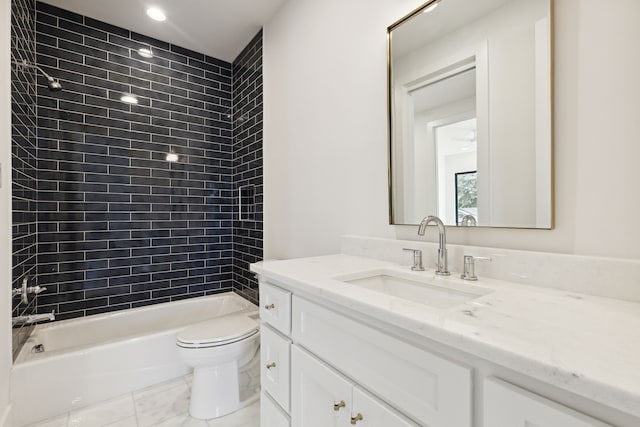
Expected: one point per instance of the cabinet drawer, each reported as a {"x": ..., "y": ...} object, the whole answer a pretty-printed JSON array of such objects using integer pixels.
[
  {"x": 275, "y": 307},
  {"x": 270, "y": 414},
  {"x": 506, "y": 405},
  {"x": 430, "y": 389},
  {"x": 275, "y": 372},
  {"x": 377, "y": 413}
]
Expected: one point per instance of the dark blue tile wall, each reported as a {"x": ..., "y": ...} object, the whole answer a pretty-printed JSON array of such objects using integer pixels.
[
  {"x": 247, "y": 149},
  {"x": 24, "y": 158},
  {"x": 119, "y": 226}
]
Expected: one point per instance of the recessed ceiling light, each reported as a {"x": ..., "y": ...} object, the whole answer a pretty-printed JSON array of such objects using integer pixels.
[
  {"x": 145, "y": 53},
  {"x": 156, "y": 14},
  {"x": 129, "y": 99}
]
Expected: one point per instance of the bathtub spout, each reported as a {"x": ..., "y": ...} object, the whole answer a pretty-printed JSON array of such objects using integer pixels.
[{"x": 27, "y": 320}]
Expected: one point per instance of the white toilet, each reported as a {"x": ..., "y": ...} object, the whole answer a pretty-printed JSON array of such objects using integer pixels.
[{"x": 217, "y": 349}]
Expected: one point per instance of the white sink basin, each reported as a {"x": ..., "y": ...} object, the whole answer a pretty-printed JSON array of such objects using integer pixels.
[{"x": 420, "y": 288}]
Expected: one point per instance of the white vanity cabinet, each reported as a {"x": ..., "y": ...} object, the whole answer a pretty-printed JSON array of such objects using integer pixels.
[
  {"x": 270, "y": 414},
  {"x": 506, "y": 405},
  {"x": 324, "y": 366},
  {"x": 328, "y": 358},
  {"x": 321, "y": 397}
]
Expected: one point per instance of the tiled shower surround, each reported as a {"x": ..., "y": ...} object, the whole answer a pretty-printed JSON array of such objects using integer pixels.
[
  {"x": 120, "y": 226},
  {"x": 247, "y": 154},
  {"x": 24, "y": 157}
]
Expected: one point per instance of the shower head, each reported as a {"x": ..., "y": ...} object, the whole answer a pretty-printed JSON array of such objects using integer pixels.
[{"x": 54, "y": 85}]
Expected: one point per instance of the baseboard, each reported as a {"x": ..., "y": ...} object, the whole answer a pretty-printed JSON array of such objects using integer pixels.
[{"x": 7, "y": 420}]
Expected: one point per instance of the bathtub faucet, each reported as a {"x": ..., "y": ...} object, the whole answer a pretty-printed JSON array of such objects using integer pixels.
[{"x": 28, "y": 320}]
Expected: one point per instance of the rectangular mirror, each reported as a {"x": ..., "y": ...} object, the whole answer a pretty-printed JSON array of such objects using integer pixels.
[{"x": 470, "y": 114}]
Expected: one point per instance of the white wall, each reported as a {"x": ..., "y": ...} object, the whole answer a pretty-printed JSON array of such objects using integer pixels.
[
  {"x": 5, "y": 206},
  {"x": 326, "y": 132}
]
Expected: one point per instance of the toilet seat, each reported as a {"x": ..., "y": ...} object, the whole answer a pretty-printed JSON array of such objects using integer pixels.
[{"x": 217, "y": 332}]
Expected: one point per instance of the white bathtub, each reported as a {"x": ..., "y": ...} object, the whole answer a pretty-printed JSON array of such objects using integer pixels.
[{"x": 91, "y": 359}]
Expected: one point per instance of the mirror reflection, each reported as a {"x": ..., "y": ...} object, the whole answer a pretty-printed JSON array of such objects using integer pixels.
[{"x": 470, "y": 99}]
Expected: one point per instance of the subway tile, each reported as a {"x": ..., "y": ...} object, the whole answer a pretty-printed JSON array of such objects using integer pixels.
[
  {"x": 129, "y": 62},
  {"x": 106, "y": 65},
  {"x": 106, "y": 254},
  {"x": 44, "y": 17},
  {"x": 78, "y": 27},
  {"x": 129, "y": 298},
  {"x": 81, "y": 48},
  {"x": 54, "y": 31},
  {"x": 108, "y": 28},
  {"x": 149, "y": 41},
  {"x": 108, "y": 309},
  {"x": 82, "y": 246},
  {"x": 102, "y": 178},
  {"x": 150, "y": 76},
  {"x": 131, "y": 279},
  {"x": 183, "y": 290},
  {"x": 129, "y": 80},
  {"x": 106, "y": 292},
  {"x": 115, "y": 194}
]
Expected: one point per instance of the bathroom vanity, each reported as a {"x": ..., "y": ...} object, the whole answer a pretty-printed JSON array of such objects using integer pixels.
[{"x": 349, "y": 340}]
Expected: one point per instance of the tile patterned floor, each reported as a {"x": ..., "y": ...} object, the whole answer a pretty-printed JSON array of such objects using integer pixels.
[{"x": 163, "y": 405}]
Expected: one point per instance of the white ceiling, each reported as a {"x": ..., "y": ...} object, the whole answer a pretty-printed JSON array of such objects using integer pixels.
[{"x": 219, "y": 28}]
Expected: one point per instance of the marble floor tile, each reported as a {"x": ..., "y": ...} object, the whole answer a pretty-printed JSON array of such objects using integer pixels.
[
  {"x": 60, "y": 421},
  {"x": 245, "y": 417},
  {"x": 159, "y": 388},
  {"x": 168, "y": 401},
  {"x": 103, "y": 414},
  {"x": 127, "y": 422},
  {"x": 183, "y": 420},
  {"x": 163, "y": 405}
]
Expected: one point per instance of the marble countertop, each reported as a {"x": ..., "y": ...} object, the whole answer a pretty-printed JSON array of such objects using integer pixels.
[{"x": 584, "y": 344}]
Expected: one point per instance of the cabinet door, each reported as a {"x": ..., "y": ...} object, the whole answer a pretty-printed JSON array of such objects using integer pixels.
[
  {"x": 506, "y": 405},
  {"x": 430, "y": 389},
  {"x": 274, "y": 373},
  {"x": 270, "y": 414},
  {"x": 320, "y": 397},
  {"x": 375, "y": 413}
]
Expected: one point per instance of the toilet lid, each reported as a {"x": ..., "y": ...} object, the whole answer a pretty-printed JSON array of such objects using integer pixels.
[{"x": 217, "y": 331}]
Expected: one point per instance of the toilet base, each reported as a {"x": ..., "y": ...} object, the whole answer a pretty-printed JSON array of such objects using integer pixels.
[{"x": 215, "y": 391}]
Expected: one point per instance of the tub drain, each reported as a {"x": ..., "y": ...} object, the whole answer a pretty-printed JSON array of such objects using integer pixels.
[{"x": 38, "y": 348}]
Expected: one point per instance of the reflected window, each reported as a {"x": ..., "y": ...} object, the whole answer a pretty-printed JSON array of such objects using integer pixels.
[{"x": 466, "y": 195}]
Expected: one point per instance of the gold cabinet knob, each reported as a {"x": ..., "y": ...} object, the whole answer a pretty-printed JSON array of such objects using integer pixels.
[
  {"x": 357, "y": 418},
  {"x": 337, "y": 406},
  {"x": 270, "y": 306},
  {"x": 271, "y": 365}
]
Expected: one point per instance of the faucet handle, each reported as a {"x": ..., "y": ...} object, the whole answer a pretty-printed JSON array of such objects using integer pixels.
[
  {"x": 417, "y": 259},
  {"x": 469, "y": 270}
]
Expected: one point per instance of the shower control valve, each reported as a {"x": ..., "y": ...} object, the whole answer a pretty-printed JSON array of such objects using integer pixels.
[{"x": 24, "y": 291}]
